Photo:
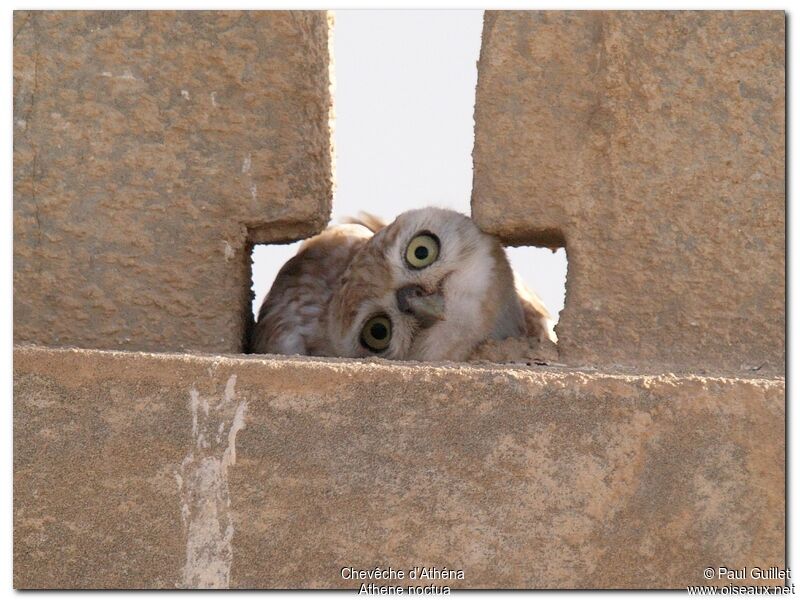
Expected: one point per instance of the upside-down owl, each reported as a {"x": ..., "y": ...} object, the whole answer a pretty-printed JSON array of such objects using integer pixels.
[{"x": 429, "y": 286}]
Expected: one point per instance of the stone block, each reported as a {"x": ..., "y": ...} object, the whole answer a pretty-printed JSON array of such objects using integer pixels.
[
  {"x": 169, "y": 470},
  {"x": 651, "y": 145},
  {"x": 151, "y": 150}
]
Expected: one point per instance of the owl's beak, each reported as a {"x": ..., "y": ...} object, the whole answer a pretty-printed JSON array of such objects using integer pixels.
[{"x": 427, "y": 308}]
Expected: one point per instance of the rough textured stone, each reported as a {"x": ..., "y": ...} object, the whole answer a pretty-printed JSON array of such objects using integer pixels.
[
  {"x": 652, "y": 144},
  {"x": 151, "y": 149},
  {"x": 158, "y": 470}
]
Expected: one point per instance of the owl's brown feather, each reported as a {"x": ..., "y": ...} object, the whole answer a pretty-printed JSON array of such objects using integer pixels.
[
  {"x": 291, "y": 316},
  {"x": 538, "y": 321},
  {"x": 368, "y": 220}
]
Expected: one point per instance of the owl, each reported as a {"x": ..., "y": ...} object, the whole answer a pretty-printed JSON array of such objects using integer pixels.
[{"x": 429, "y": 286}]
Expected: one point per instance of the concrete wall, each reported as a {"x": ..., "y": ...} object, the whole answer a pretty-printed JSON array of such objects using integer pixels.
[
  {"x": 158, "y": 470},
  {"x": 150, "y": 150},
  {"x": 652, "y": 145}
]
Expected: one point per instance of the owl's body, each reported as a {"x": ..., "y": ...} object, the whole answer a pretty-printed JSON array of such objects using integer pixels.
[
  {"x": 429, "y": 286},
  {"x": 291, "y": 318}
]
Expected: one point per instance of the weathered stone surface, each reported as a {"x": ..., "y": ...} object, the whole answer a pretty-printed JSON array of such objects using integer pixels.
[
  {"x": 129, "y": 469},
  {"x": 151, "y": 149},
  {"x": 652, "y": 143}
]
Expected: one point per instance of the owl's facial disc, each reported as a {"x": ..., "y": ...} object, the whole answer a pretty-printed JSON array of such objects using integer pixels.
[{"x": 426, "y": 308}]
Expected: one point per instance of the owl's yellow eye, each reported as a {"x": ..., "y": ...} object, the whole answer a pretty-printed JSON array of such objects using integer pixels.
[
  {"x": 422, "y": 251},
  {"x": 377, "y": 333}
]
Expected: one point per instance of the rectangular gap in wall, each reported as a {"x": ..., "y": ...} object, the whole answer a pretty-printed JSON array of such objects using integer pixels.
[
  {"x": 264, "y": 262},
  {"x": 544, "y": 271},
  {"x": 267, "y": 260}
]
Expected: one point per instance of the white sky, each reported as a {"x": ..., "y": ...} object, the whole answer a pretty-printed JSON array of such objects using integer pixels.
[{"x": 404, "y": 98}]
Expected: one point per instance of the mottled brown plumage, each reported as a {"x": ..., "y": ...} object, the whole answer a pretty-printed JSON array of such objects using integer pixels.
[{"x": 429, "y": 286}]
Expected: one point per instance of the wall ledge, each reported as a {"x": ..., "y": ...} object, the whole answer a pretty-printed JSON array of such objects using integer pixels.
[{"x": 142, "y": 470}]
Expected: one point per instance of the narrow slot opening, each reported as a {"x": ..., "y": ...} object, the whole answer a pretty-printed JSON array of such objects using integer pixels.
[
  {"x": 266, "y": 261},
  {"x": 544, "y": 270},
  {"x": 404, "y": 134}
]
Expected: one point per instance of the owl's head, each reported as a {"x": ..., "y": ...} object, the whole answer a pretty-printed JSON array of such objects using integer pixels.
[{"x": 428, "y": 286}]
